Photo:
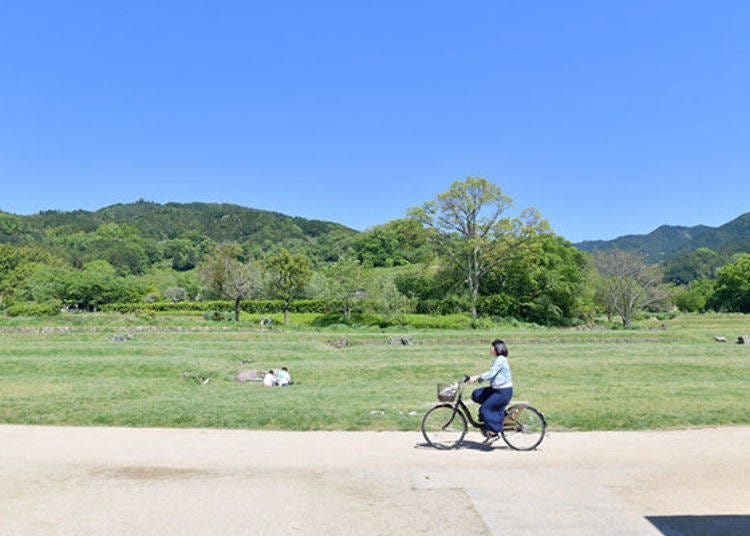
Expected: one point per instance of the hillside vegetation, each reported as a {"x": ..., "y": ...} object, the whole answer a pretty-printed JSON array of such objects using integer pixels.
[
  {"x": 195, "y": 222},
  {"x": 459, "y": 253}
]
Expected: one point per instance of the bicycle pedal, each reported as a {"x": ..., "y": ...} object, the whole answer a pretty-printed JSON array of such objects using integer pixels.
[{"x": 490, "y": 440}]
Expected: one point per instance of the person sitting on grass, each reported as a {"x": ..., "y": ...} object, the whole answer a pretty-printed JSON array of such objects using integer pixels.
[
  {"x": 269, "y": 379},
  {"x": 284, "y": 378},
  {"x": 495, "y": 398}
]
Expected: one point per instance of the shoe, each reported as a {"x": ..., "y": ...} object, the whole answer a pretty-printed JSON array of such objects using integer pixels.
[{"x": 490, "y": 437}]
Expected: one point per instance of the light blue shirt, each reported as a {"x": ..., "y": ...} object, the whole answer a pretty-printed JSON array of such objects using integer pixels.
[
  {"x": 284, "y": 378},
  {"x": 499, "y": 373}
]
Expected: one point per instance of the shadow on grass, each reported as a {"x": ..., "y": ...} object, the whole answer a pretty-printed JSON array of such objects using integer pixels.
[{"x": 702, "y": 525}]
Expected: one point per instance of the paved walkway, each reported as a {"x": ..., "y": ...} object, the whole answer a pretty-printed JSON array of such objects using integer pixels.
[{"x": 155, "y": 481}]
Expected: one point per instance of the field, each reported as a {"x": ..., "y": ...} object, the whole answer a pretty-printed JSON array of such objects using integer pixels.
[{"x": 73, "y": 371}]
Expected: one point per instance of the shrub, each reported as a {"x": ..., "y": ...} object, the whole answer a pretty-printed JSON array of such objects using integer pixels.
[
  {"x": 219, "y": 316},
  {"x": 48, "y": 308},
  {"x": 496, "y": 305},
  {"x": 441, "y": 307}
]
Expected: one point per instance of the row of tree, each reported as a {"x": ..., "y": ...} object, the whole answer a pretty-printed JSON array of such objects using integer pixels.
[{"x": 460, "y": 251}]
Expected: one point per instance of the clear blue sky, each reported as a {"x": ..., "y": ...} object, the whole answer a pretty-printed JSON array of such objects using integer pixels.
[{"x": 611, "y": 117}]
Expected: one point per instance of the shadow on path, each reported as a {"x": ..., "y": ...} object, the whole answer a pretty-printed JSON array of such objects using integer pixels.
[
  {"x": 469, "y": 445},
  {"x": 702, "y": 525}
]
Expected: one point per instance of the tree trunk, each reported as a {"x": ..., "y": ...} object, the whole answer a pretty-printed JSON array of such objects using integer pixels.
[
  {"x": 474, "y": 293},
  {"x": 237, "y": 309}
]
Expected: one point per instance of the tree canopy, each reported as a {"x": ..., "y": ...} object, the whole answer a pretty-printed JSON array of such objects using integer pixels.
[{"x": 471, "y": 231}]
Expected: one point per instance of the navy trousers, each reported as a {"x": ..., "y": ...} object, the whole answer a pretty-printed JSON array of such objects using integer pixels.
[{"x": 493, "y": 405}]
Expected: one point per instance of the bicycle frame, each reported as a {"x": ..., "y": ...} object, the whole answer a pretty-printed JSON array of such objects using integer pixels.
[{"x": 459, "y": 405}]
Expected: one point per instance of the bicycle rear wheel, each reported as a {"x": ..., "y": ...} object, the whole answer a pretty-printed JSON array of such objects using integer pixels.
[
  {"x": 524, "y": 427},
  {"x": 444, "y": 427}
]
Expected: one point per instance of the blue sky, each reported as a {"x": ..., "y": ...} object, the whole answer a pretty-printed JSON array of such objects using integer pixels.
[{"x": 610, "y": 117}]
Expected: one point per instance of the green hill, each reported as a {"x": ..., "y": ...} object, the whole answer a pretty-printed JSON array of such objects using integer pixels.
[
  {"x": 194, "y": 221},
  {"x": 668, "y": 241}
]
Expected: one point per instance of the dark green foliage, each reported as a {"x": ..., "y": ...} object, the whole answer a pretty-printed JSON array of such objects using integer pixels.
[
  {"x": 15, "y": 229},
  {"x": 396, "y": 243},
  {"x": 693, "y": 265},
  {"x": 695, "y": 296},
  {"x": 219, "y": 316},
  {"x": 183, "y": 253},
  {"x": 498, "y": 305},
  {"x": 732, "y": 291},
  {"x": 446, "y": 306},
  {"x": 428, "y": 285},
  {"x": 546, "y": 285}
]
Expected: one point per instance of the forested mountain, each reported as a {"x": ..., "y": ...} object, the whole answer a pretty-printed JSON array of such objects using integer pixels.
[
  {"x": 194, "y": 221},
  {"x": 668, "y": 241}
]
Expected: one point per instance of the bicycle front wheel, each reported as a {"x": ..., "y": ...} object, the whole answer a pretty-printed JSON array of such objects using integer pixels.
[
  {"x": 444, "y": 427},
  {"x": 524, "y": 427}
]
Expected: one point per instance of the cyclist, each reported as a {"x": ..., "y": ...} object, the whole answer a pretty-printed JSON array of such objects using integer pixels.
[{"x": 495, "y": 398}]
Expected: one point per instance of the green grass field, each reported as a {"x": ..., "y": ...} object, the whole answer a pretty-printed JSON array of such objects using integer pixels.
[{"x": 69, "y": 371}]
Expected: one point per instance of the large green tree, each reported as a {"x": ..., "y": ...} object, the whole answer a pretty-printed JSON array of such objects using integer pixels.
[
  {"x": 288, "y": 275},
  {"x": 732, "y": 291},
  {"x": 548, "y": 285},
  {"x": 471, "y": 231}
]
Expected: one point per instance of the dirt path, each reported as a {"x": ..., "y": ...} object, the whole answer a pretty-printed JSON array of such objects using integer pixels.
[{"x": 157, "y": 481}]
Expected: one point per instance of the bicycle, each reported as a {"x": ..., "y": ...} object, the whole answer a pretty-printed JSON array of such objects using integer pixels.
[{"x": 445, "y": 424}]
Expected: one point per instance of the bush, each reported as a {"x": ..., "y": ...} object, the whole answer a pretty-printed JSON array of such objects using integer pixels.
[
  {"x": 690, "y": 301},
  {"x": 49, "y": 308},
  {"x": 496, "y": 305},
  {"x": 445, "y": 306},
  {"x": 219, "y": 316}
]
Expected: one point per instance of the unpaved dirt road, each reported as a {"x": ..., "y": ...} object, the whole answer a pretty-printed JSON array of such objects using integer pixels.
[{"x": 81, "y": 481}]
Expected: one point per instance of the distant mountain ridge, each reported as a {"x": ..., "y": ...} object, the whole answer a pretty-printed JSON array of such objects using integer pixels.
[{"x": 669, "y": 241}]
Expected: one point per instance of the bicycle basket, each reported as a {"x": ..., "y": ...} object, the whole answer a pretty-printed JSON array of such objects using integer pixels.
[{"x": 446, "y": 392}]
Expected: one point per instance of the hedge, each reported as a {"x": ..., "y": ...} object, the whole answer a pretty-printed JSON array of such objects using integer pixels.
[{"x": 249, "y": 306}]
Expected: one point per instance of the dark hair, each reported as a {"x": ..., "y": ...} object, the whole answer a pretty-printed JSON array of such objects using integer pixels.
[
  {"x": 284, "y": 368},
  {"x": 500, "y": 347}
]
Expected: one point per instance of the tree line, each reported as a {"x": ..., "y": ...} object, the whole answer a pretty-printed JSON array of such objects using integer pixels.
[{"x": 465, "y": 250}]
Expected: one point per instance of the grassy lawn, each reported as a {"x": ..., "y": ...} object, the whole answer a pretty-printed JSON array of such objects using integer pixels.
[{"x": 69, "y": 370}]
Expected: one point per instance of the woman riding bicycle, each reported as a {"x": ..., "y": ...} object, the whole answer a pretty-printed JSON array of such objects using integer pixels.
[{"x": 495, "y": 398}]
